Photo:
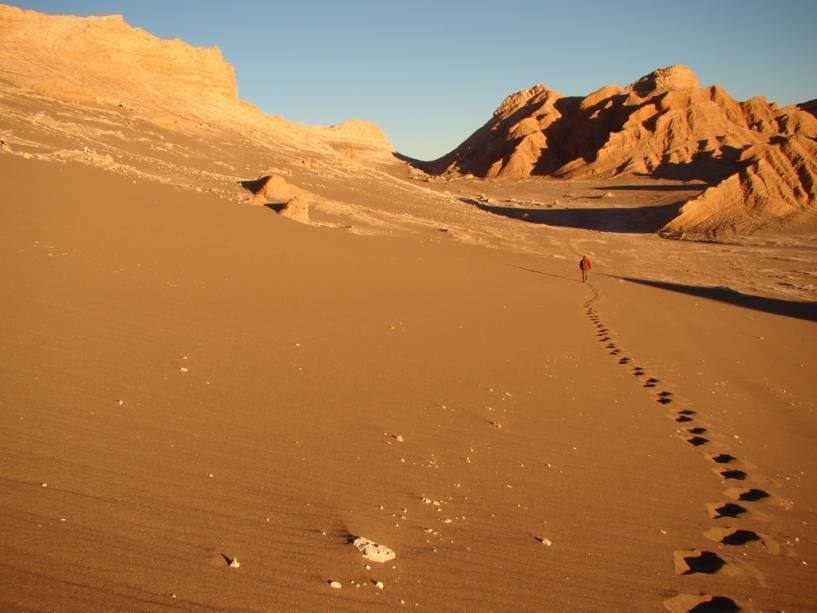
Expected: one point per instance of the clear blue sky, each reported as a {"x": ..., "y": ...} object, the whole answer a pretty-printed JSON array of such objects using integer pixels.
[{"x": 431, "y": 72}]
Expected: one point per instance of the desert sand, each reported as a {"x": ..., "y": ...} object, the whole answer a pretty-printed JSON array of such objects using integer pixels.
[{"x": 233, "y": 344}]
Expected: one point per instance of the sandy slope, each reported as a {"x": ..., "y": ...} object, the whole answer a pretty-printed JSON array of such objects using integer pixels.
[
  {"x": 308, "y": 351},
  {"x": 188, "y": 379}
]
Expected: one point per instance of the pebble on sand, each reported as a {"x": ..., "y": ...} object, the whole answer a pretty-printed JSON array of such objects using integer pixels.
[
  {"x": 336, "y": 585},
  {"x": 234, "y": 563},
  {"x": 372, "y": 551}
]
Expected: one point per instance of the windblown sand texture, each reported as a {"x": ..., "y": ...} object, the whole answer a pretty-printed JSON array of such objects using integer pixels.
[{"x": 408, "y": 399}]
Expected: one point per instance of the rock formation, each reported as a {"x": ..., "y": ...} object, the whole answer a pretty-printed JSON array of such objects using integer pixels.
[
  {"x": 106, "y": 55},
  {"x": 103, "y": 60},
  {"x": 773, "y": 190},
  {"x": 272, "y": 189},
  {"x": 664, "y": 125}
]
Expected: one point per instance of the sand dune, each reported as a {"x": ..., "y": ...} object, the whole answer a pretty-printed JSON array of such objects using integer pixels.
[{"x": 206, "y": 405}]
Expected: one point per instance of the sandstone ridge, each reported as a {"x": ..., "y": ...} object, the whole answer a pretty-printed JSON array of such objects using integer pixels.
[
  {"x": 177, "y": 86},
  {"x": 663, "y": 125},
  {"x": 105, "y": 54}
]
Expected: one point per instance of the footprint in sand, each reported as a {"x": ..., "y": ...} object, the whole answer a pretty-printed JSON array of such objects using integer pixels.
[
  {"x": 701, "y": 603},
  {"x": 719, "y": 510},
  {"x": 697, "y": 441},
  {"x": 737, "y": 475},
  {"x": 691, "y": 561},
  {"x": 747, "y": 495},
  {"x": 740, "y": 537},
  {"x": 723, "y": 458},
  {"x": 683, "y": 419},
  {"x": 651, "y": 382},
  {"x": 664, "y": 398},
  {"x": 697, "y": 430},
  {"x": 624, "y": 360},
  {"x": 638, "y": 371},
  {"x": 615, "y": 352}
]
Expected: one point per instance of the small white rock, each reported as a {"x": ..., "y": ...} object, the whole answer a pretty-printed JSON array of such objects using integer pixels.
[
  {"x": 183, "y": 369},
  {"x": 234, "y": 563},
  {"x": 379, "y": 585},
  {"x": 372, "y": 551},
  {"x": 335, "y": 585}
]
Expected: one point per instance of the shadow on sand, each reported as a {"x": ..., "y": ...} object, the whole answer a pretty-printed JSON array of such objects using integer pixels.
[
  {"x": 776, "y": 306},
  {"x": 546, "y": 274},
  {"x": 698, "y": 187},
  {"x": 643, "y": 219}
]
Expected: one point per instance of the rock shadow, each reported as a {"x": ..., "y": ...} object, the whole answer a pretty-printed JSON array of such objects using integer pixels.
[
  {"x": 655, "y": 188},
  {"x": 630, "y": 220},
  {"x": 777, "y": 306}
]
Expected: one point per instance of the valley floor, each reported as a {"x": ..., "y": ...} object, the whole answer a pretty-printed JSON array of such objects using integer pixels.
[{"x": 187, "y": 381}]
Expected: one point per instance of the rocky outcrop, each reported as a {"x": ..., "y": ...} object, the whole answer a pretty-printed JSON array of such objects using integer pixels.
[
  {"x": 664, "y": 125},
  {"x": 774, "y": 190},
  {"x": 270, "y": 188},
  {"x": 103, "y": 60},
  {"x": 810, "y": 106},
  {"x": 108, "y": 57}
]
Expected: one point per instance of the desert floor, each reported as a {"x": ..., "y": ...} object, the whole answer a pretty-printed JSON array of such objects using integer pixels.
[{"x": 187, "y": 380}]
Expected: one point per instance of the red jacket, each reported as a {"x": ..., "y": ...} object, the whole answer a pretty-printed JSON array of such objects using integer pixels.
[{"x": 584, "y": 264}]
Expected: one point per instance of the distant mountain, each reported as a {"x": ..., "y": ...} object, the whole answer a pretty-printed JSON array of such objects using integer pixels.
[{"x": 760, "y": 158}]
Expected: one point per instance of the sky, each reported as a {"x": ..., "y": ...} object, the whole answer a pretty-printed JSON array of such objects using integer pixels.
[{"x": 430, "y": 72}]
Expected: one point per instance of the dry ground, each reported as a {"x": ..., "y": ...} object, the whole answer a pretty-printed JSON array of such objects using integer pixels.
[{"x": 186, "y": 377}]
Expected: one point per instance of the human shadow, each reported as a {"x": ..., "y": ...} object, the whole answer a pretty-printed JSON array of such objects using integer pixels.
[
  {"x": 630, "y": 220},
  {"x": 777, "y": 306},
  {"x": 546, "y": 274}
]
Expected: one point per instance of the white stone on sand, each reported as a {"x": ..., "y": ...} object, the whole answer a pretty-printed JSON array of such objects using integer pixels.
[{"x": 372, "y": 551}]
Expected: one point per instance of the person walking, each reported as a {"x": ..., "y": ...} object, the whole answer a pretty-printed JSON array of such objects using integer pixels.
[{"x": 584, "y": 266}]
